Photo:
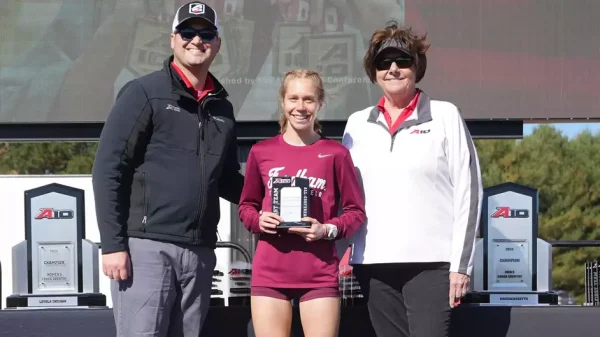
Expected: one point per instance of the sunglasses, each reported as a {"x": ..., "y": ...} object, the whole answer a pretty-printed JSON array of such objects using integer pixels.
[
  {"x": 206, "y": 35},
  {"x": 401, "y": 62}
]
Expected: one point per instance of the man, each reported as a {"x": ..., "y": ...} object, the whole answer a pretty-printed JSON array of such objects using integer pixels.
[{"x": 166, "y": 154}]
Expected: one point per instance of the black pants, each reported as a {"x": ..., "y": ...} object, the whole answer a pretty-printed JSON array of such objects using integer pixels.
[{"x": 407, "y": 300}]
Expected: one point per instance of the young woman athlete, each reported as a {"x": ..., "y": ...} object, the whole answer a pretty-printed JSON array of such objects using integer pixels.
[{"x": 300, "y": 263}]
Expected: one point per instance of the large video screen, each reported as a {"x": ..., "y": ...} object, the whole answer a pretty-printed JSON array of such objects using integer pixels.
[{"x": 65, "y": 60}]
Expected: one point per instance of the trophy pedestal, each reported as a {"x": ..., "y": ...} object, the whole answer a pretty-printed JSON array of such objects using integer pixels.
[
  {"x": 511, "y": 298},
  {"x": 39, "y": 301}
]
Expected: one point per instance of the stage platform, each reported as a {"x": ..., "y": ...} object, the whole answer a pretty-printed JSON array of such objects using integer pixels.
[{"x": 556, "y": 321}]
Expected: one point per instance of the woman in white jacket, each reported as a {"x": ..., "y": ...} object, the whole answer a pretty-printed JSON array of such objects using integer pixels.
[{"x": 423, "y": 192}]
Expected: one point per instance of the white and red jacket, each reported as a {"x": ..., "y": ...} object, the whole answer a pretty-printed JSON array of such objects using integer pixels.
[{"x": 422, "y": 186}]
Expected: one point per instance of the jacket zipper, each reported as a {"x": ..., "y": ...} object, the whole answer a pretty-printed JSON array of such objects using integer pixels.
[
  {"x": 392, "y": 138},
  {"x": 199, "y": 154},
  {"x": 201, "y": 151},
  {"x": 206, "y": 118},
  {"x": 145, "y": 218}
]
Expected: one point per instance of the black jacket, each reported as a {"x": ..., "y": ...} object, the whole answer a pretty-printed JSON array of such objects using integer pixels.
[{"x": 163, "y": 161}]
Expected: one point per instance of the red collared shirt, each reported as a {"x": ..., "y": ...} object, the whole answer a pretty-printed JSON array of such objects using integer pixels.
[
  {"x": 406, "y": 112},
  {"x": 209, "y": 86}
]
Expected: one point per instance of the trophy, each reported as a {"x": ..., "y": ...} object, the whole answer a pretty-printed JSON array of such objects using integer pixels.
[
  {"x": 150, "y": 47},
  {"x": 332, "y": 52},
  {"x": 289, "y": 47},
  {"x": 290, "y": 197},
  {"x": 55, "y": 266},
  {"x": 512, "y": 266},
  {"x": 333, "y": 56},
  {"x": 592, "y": 283},
  {"x": 233, "y": 60}
]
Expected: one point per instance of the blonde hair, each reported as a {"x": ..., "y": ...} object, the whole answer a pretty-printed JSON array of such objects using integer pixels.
[{"x": 301, "y": 74}]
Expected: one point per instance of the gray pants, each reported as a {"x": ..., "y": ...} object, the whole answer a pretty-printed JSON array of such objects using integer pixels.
[{"x": 168, "y": 293}]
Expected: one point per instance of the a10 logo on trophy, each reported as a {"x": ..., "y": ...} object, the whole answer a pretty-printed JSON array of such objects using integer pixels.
[{"x": 151, "y": 42}]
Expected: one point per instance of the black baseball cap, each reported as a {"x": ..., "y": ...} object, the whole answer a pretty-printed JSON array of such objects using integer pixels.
[
  {"x": 195, "y": 10},
  {"x": 396, "y": 45}
]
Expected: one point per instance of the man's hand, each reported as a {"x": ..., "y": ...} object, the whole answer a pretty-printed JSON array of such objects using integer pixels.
[
  {"x": 116, "y": 265},
  {"x": 459, "y": 285},
  {"x": 316, "y": 231}
]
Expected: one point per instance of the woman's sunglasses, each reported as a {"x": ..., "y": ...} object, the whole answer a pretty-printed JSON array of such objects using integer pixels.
[
  {"x": 401, "y": 62},
  {"x": 206, "y": 35}
]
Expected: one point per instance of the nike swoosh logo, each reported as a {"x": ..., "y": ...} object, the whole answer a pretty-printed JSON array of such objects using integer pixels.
[{"x": 324, "y": 155}]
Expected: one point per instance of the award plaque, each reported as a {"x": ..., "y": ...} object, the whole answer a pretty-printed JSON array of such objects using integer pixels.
[
  {"x": 55, "y": 269},
  {"x": 150, "y": 47},
  {"x": 332, "y": 55},
  {"x": 512, "y": 266},
  {"x": 55, "y": 266},
  {"x": 289, "y": 47},
  {"x": 290, "y": 197}
]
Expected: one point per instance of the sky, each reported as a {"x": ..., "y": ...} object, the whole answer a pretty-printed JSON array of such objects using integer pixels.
[{"x": 569, "y": 129}]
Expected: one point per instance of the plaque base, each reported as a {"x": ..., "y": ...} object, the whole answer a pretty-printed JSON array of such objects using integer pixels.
[
  {"x": 294, "y": 224},
  {"x": 511, "y": 299},
  {"x": 47, "y": 301}
]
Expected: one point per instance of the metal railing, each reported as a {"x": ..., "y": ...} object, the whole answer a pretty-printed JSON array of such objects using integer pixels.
[
  {"x": 592, "y": 272},
  {"x": 235, "y": 246},
  {"x": 575, "y": 243}
]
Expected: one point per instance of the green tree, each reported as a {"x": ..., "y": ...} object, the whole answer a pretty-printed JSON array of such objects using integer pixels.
[{"x": 47, "y": 158}]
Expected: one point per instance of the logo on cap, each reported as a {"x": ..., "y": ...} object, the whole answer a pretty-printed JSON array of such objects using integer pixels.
[{"x": 196, "y": 9}]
